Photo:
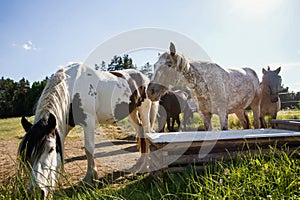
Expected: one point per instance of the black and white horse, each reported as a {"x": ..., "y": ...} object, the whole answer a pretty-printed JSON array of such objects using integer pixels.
[{"x": 79, "y": 95}]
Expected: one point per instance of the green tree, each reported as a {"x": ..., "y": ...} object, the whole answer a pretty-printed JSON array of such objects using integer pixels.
[
  {"x": 33, "y": 95},
  {"x": 119, "y": 63},
  {"x": 102, "y": 66},
  {"x": 147, "y": 70}
]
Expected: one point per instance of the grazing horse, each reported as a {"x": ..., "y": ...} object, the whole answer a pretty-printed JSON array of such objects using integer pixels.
[
  {"x": 171, "y": 105},
  {"x": 79, "y": 95},
  {"x": 270, "y": 101},
  {"x": 215, "y": 90}
]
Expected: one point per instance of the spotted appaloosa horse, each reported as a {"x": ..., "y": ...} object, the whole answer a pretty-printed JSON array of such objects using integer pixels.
[
  {"x": 79, "y": 95},
  {"x": 171, "y": 105},
  {"x": 215, "y": 90},
  {"x": 270, "y": 101}
]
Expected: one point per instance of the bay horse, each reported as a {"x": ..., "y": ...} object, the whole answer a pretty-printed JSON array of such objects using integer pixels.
[
  {"x": 171, "y": 105},
  {"x": 270, "y": 88},
  {"x": 79, "y": 95},
  {"x": 215, "y": 90}
]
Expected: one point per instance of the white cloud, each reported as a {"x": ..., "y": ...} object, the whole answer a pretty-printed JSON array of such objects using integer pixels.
[{"x": 29, "y": 46}]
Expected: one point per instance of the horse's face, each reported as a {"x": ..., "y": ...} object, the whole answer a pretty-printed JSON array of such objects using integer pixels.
[
  {"x": 167, "y": 72},
  {"x": 41, "y": 149},
  {"x": 271, "y": 82}
]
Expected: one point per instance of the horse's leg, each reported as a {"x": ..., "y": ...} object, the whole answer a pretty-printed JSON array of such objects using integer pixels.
[
  {"x": 273, "y": 116},
  {"x": 207, "y": 121},
  {"x": 255, "y": 106},
  {"x": 241, "y": 114},
  {"x": 153, "y": 113},
  {"x": 137, "y": 124},
  {"x": 263, "y": 122},
  {"x": 223, "y": 120},
  {"x": 161, "y": 119},
  {"x": 89, "y": 145},
  {"x": 169, "y": 122},
  {"x": 178, "y": 122}
]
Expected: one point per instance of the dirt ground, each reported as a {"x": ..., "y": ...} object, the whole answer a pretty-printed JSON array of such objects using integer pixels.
[{"x": 111, "y": 155}]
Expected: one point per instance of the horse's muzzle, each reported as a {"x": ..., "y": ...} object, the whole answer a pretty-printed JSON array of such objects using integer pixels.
[{"x": 155, "y": 91}]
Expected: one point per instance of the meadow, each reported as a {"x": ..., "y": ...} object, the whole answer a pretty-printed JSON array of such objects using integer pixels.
[{"x": 272, "y": 175}]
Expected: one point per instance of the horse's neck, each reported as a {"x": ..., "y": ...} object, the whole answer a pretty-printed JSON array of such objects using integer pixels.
[
  {"x": 55, "y": 99},
  {"x": 194, "y": 79},
  {"x": 196, "y": 83}
]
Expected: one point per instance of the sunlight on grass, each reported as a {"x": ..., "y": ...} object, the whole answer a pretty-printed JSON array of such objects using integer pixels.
[
  {"x": 11, "y": 128},
  {"x": 273, "y": 175}
]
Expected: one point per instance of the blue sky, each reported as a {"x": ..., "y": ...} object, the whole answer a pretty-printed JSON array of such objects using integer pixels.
[{"x": 37, "y": 37}]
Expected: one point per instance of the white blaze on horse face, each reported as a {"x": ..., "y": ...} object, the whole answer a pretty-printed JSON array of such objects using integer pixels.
[{"x": 44, "y": 169}]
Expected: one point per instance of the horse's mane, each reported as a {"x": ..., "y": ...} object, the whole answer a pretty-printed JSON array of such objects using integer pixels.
[{"x": 55, "y": 99}]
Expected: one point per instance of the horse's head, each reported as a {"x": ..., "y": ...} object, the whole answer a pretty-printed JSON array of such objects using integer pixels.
[
  {"x": 168, "y": 70},
  {"x": 271, "y": 83},
  {"x": 41, "y": 150}
]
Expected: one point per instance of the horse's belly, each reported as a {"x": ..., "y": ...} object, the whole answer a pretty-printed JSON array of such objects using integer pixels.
[{"x": 113, "y": 101}]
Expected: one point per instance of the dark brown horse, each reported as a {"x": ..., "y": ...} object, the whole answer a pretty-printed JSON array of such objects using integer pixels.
[{"x": 171, "y": 105}]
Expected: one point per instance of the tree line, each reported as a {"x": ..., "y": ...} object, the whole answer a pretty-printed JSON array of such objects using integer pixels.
[{"x": 20, "y": 98}]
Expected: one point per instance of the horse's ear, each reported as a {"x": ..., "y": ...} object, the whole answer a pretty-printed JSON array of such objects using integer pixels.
[
  {"x": 269, "y": 68},
  {"x": 26, "y": 124},
  {"x": 278, "y": 70},
  {"x": 158, "y": 54},
  {"x": 172, "y": 49},
  {"x": 264, "y": 71},
  {"x": 51, "y": 121}
]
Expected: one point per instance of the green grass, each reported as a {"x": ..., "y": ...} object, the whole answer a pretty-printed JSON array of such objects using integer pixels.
[
  {"x": 275, "y": 175},
  {"x": 11, "y": 128}
]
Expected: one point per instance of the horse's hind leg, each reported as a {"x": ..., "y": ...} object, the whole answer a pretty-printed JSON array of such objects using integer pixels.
[
  {"x": 169, "y": 123},
  {"x": 263, "y": 122},
  {"x": 255, "y": 106},
  {"x": 178, "y": 122},
  {"x": 241, "y": 114},
  {"x": 89, "y": 145}
]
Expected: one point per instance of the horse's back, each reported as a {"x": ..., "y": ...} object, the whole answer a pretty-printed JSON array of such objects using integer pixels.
[{"x": 243, "y": 87}]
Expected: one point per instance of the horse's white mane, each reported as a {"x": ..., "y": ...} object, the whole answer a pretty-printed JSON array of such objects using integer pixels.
[{"x": 55, "y": 99}]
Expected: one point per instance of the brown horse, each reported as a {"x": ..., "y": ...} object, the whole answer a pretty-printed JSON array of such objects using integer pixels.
[
  {"x": 171, "y": 105},
  {"x": 270, "y": 101}
]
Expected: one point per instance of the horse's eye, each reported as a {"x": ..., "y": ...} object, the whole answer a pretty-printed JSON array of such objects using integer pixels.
[
  {"x": 169, "y": 65},
  {"x": 51, "y": 149}
]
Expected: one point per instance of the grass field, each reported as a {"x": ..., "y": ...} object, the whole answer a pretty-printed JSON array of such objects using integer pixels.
[{"x": 275, "y": 175}]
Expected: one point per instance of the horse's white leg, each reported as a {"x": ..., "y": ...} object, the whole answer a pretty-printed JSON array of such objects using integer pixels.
[
  {"x": 153, "y": 113},
  {"x": 241, "y": 114},
  {"x": 207, "y": 121},
  {"x": 146, "y": 112},
  {"x": 89, "y": 145},
  {"x": 223, "y": 120}
]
